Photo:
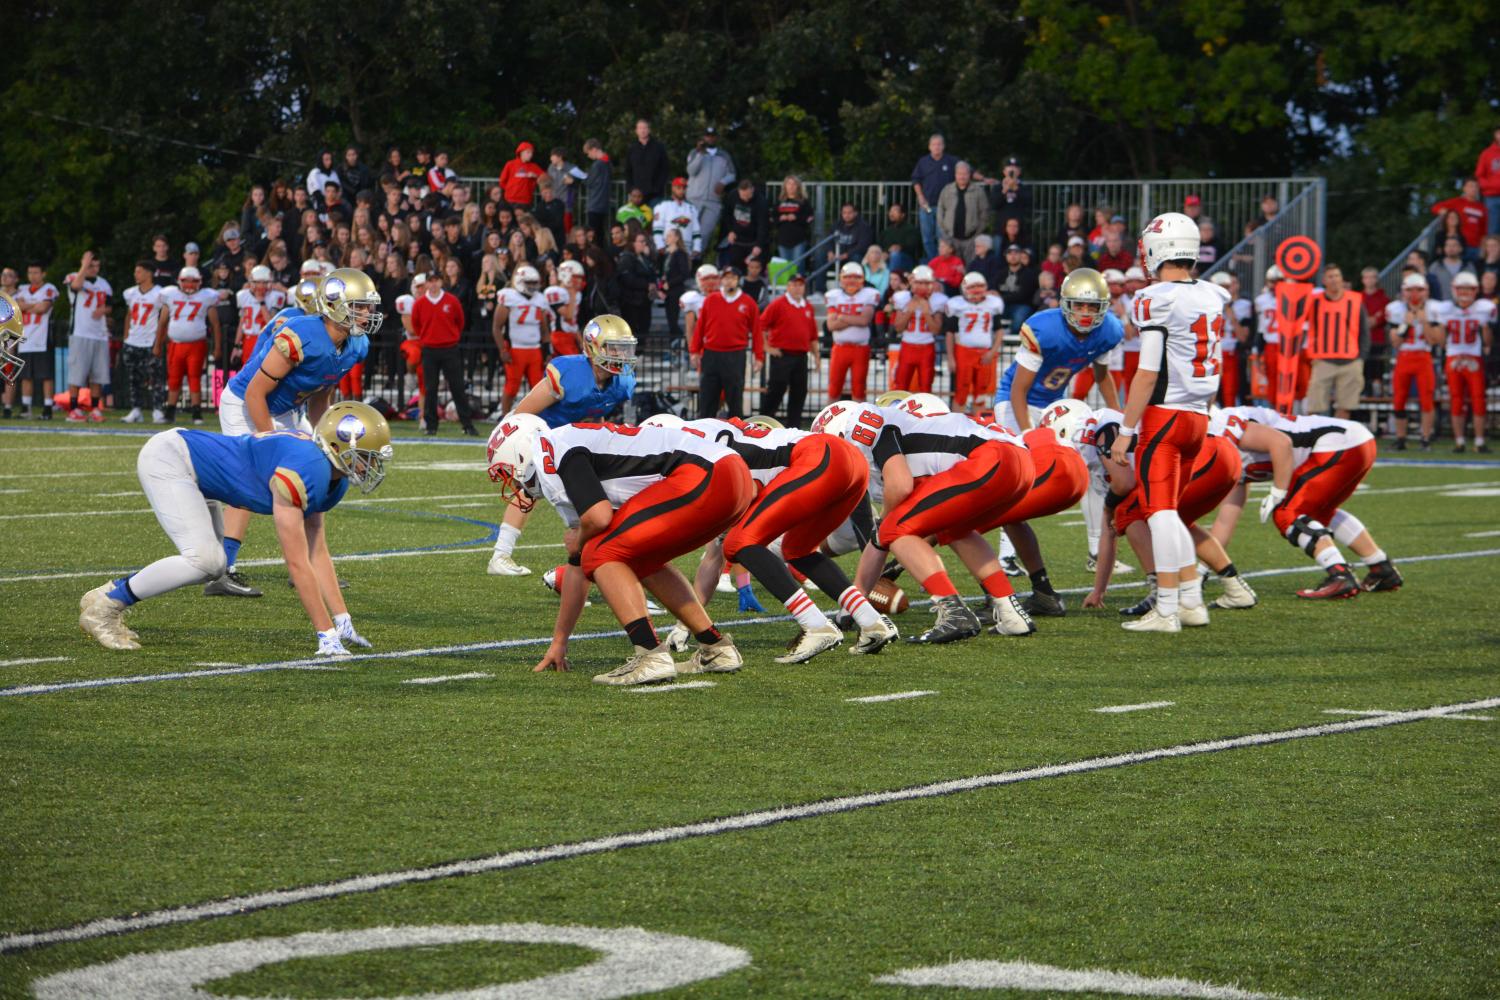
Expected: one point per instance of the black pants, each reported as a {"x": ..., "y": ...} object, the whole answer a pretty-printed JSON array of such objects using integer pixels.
[
  {"x": 638, "y": 316},
  {"x": 674, "y": 313},
  {"x": 147, "y": 377},
  {"x": 788, "y": 375},
  {"x": 445, "y": 361},
  {"x": 723, "y": 372}
]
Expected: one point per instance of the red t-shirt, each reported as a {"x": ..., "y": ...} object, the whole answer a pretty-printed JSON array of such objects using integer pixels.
[
  {"x": 788, "y": 326},
  {"x": 1476, "y": 218},
  {"x": 1375, "y": 303},
  {"x": 949, "y": 270},
  {"x": 438, "y": 324},
  {"x": 727, "y": 326},
  {"x": 518, "y": 181}
]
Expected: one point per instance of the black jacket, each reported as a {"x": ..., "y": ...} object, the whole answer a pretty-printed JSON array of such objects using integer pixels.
[
  {"x": 746, "y": 220},
  {"x": 646, "y": 168},
  {"x": 635, "y": 276},
  {"x": 851, "y": 241}
]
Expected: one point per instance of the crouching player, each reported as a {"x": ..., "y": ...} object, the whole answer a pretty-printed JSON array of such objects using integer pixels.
[
  {"x": 633, "y": 499},
  {"x": 292, "y": 476}
]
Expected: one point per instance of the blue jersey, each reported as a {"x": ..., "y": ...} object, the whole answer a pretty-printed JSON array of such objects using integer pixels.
[
  {"x": 571, "y": 378},
  {"x": 1063, "y": 353},
  {"x": 316, "y": 363},
  {"x": 248, "y": 472}
]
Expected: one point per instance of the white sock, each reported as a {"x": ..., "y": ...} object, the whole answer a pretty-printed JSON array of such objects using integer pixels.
[
  {"x": 1378, "y": 556},
  {"x": 1192, "y": 592},
  {"x": 806, "y": 612},
  {"x": 1459, "y": 440},
  {"x": 26, "y": 401},
  {"x": 505, "y": 541},
  {"x": 1479, "y": 442},
  {"x": 1093, "y": 507},
  {"x": 1007, "y": 549},
  {"x": 854, "y": 602},
  {"x": 1166, "y": 601},
  {"x": 1329, "y": 557}
]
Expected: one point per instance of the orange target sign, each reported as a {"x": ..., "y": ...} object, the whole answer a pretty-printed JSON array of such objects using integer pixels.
[{"x": 1299, "y": 257}]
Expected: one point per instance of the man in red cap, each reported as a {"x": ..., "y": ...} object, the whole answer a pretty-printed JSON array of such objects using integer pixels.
[{"x": 518, "y": 179}]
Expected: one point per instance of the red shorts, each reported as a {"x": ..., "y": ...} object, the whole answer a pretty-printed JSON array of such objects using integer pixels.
[
  {"x": 1323, "y": 482},
  {"x": 1465, "y": 384},
  {"x": 972, "y": 376},
  {"x": 1167, "y": 443},
  {"x": 564, "y": 343},
  {"x": 1216, "y": 471},
  {"x": 692, "y": 506},
  {"x": 914, "y": 367},
  {"x": 807, "y": 502},
  {"x": 1060, "y": 481},
  {"x": 411, "y": 350},
  {"x": 185, "y": 360},
  {"x": 352, "y": 385},
  {"x": 852, "y": 360},
  {"x": 1413, "y": 365},
  {"x": 525, "y": 363},
  {"x": 975, "y": 492}
]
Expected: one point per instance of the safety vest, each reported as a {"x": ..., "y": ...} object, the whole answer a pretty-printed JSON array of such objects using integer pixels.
[{"x": 1333, "y": 326}]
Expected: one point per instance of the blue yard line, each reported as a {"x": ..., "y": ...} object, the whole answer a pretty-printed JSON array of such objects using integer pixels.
[{"x": 144, "y": 433}]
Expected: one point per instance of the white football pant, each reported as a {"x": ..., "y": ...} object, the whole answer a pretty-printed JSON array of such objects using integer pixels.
[
  {"x": 235, "y": 422},
  {"x": 194, "y": 524}
]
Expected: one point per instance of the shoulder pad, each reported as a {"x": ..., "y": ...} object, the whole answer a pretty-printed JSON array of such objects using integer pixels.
[{"x": 288, "y": 485}]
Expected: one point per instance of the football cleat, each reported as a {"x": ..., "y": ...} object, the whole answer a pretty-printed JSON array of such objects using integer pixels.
[
  {"x": 810, "y": 642},
  {"x": 76, "y": 416},
  {"x": 1338, "y": 585},
  {"x": 1011, "y": 566},
  {"x": 679, "y": 638},
  {"x": 1458, "y": 449},
  {"x": 647, "y": 666},
  {"x": 1382, "y": 576},
  {"x": 1010, "y": 618},
  {"x": 231, "y": 584},
  {"x": 1193, "y": 617},
  {"x": 158, "y": 417},
  {"x": 133, "y": 417},
  {"x": 1040, "y": 605},
  {"x": 1237, "y": 594},
  {"x": 97, "y": 416},
  {"x": 716, "y": 658},
  {"x": 503, "y": 565},
  {"x": 1152, "y": 621},
  {"x": 103, "y": 617},
  {"x": 1483, "y": 449},
  {"x": 1141, "y": 607},
  {"x": 874, "y": 639},
  {"x": 954, "y": 622},
  {"x": 1120, "y": 567},
  {"x": 725, "y": 585}
]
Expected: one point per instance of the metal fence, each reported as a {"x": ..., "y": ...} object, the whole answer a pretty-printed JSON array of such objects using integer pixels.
[
  {"x": 1390, "y": 275},
  {"x": 1304, "y": 215}
]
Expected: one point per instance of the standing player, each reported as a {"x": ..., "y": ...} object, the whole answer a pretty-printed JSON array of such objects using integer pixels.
[
  {"x": 188, "y": 310},
  {"x": 138, "y": 357},
  {"x": 691, "y": 302},
  {"x": 1468, "y": 325},
  {"x": 257, "y": 303},
  {"x": 577, "y": 387},
  {"x": 88, "y": 337},
  {"x": 1181, "y": 321},
  {"x": 1265, "y": 325},
  {"x": 974, "y": 345},
  {"x": 523, "y": 319},
  {"x": 850, "y": 311},
  {"x": 1415, "y": 325},
  {"x": 293, "y": 477},
  {"x": 564, "y": 298},
  {"x": 35, "y": 299},
  {"x": 919, "y": 319}
]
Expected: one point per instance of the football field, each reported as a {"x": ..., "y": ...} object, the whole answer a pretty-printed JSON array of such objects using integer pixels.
[{"x": 1302, "y": 800}]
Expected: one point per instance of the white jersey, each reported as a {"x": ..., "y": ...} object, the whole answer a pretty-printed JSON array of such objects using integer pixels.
[
  {"x": 142, "y": 311},
  {"x": 691, "y": 302},
  {"x": 766, "y": 450},
  {"x": 557, "y": 297},
  {"x": 930, "y": 444},
  {"x": 1310, "y": 436},
  {"x": 525, "y": 318},
  {"x": 681, "y": 216},
  {"x": 976, "y": 320},
  {"x": 841, "y": 303},
  {"x": 1265, "y": 317},
  {"x": 1131, "y": 342},
  {"x": 187, "y": 315},
  {"x": 94, "y": 295},
  {"x": 34, "y": 326},
  {"x": 1182, "y": 326},
  {"x": 255, "y": 314},
  {"x": 578, "y": 465},
  {"x": 921, "y": 329},
  {"x": 1465, "y": 327},
  {"x": 1401, "y": 332}
]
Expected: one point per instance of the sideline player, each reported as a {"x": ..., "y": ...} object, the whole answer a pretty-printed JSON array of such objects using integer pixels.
[
  {"x": 1468, "y": 330},
  {"x": 292, "y": 476},
  {"x": 577, "y": 387},
  {"x": 523, "y": 319},
  {"x": 974, "y": 345},
  {"x": 565, "y": 298},
  {"x": 850, "y": 311},
  {"x": 144, "y": 370},
  {"x": 257, "y": 303},
  {"x": 36, "y": 299},
  {"x": 919, "y": 318},
  {"x": 188, "y": 310},
  {"x": 1415, "y": 325}
]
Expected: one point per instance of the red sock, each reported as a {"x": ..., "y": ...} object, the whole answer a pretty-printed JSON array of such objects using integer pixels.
[
  {"x": 938, "y": 585},
  {"x": 997, "y": 584}
]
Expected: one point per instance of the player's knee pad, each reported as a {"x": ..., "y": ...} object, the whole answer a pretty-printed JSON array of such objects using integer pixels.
[
  {"x": 1305, "y": 533},
  {"x": 209, "y": 560},
  {"x": 1345, "y": 527}
]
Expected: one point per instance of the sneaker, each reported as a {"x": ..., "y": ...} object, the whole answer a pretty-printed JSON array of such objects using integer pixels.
[
  {"x": 1426, "y": 445},
  {"x": 77, "y": 416},
  {"x": 877, "y": 637},
  {"x": 1193, "y": 617},
  {"x": 1092, "y": 564},
  {"x": 197, "y": 421},
  {"x": 1152, "y": 621},
  {"x": 1338, "y": 585},
  {"x": 46, "y": 413},
  {"x": 1040, "y": 605},
  {"x": 7, "y": 414},
  {"x": 811, "y": 642},
  {"x": 1382, "y": 576},
  {"x": 679, "y": 638},
  {"x": 1144, "y": 606},
  {"x": 103, "y": 617},
  {"x": 1483, "y": 449},
  {"x": 1122, "y": 567},
  {"x": 231, "y": 584},
  {"x": 647, "y": 666},
  {"x": 726, "y": 586},
  {"x": 502, "y": 565},
  {"x": 1010, "y": 617},
  {"x": 1458, "y": 448},
  {"x": 158, "y": 417},
  {"x": 719, "y": 658},
  {"x": 1237, "y": 594},
  {"x": 133, "y": 417},
  {"x": 954, "y": 622},
  {"x": 1399, "y": 444},
  {"x": 1011, "y": 566},
  {"x": 97, "y": 416},
  {"x": 892, "y": 570}
]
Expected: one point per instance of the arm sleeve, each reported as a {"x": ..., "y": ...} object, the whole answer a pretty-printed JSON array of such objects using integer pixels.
[
  {"x": 580, "y": 481},
  {"x": 862, "y": 520},
  {"x": 888, "y": 444},
  {"x": 1152, "y": 339},
  {"x": 1029, "y": 360}
]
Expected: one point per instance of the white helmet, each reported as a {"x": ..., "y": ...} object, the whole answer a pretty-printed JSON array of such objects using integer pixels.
[
  {"x": 325, "y": 267},
  {"x": 922, "y": 273},
  {"x": 706, "y": 271},
  {"x": 527, "y": 279},
  {"x": 260, "y": 272},
  {"x": 1169, "y": 236},
  {"x": 1066, "y": 418},
  {"x": 310, "y": 268},
  {"x": 833, "y": 418},
  {"x": 509, "y": 452},
  {"x": 924, "y": 404},
  {"x": 570, "y": 269},
  {"x": 670, "y": 421},
  {"x": 1221, "y": 278}
]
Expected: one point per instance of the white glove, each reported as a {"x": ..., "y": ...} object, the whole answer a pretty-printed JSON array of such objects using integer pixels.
[
  {"x": 345, "y": 627},
  {"x": 1271, "y": 502},
  {"x": 329, "y": 644}
]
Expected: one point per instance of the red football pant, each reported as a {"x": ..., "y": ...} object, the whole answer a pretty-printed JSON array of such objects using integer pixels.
[
  {"x": 352, "y": 385},
  {"x": 247, "y": 346},
  {"x": 1132, "y": 362},
  {"x": 817, "y": 491},
  {"x": 1270, "y": 363},
  {"x": 1166, "y": 446},
  {"x": 525, "y": 362},
  {"x": 852, "y": 360},
  {"x": 1229, "y": 380},
  {"x": 411, "y": 350},
  {"x": 977, "y": 491},
  {"x": 693, "y": 505},
  {"x": 1060, "y": 479},
  {"x": 185, "y": 360},
  {"x": 564, "y": 343},
  {"x": 972, "y": 376},
  {"x": 1216, "y": 471},
  {"x": 1083, "y": 382},
  {"x": 1412, "y": 365},
  {"x": 914, "y": 369},
  {"x": 1322, "y": 484},
  {"x": 1465, "y": 385}
]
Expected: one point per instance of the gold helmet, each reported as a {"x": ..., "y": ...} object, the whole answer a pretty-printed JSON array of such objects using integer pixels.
[
  {"x": 305, "y": 294},
  {"x": 10, "y": 339},
  {"x": 357, "y": 440},
  {"x": 350, "y": 299},
  {"x": 609, "y": 343},
  {"x": 1084, "y": 287},
  {"x": 891, "y": 397}
]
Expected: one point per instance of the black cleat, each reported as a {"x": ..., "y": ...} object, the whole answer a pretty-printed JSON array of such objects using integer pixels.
[
  {"x": 1483, "y": 449},
  {"x": 954, "y": 622},
  {"x": 1338, "y": 585},
  {"x": 1382, "y": 576},
  {"x": 1458, "y": 449},
  {"x": 892, "y": 571},
  {"x": 1040, "y": 605},
  {"x": 1138, "y": 609},
  {"x": 1399, "y": 444},
  {"x": 231, "y": 584},
  {"x": 1011, "y": 566}
]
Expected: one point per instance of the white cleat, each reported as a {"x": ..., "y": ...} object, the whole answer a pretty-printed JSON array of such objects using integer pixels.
[
  {"x": 719, "y": 658},
  {"x": 1010, "y": 618},
  {"x": 133, "y": 417},
  {"x": 679, "y": 638},
  {"x": 1193, "y": 617},
  {"x": 811, "y": 642},
  {"x": 726, "y": 586},
  {"x": 103, "y": 617},
  {"x": 1122, "y": 567},
  {"x": 647, "y": 666},
  {"x": 1153, "y": 621},
  {"x": 502, "y": 565},
  {"x": 158, "y": 417},
  {"x": 1237, "y": 594},
  {"x": 872, "y": 640},
  {"x": 652, "y": 608}
]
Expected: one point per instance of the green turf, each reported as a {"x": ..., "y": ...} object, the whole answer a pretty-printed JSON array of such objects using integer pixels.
[{"x": 1356, "y": 865}]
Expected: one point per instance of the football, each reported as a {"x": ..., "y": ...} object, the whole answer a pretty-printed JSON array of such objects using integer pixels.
[{"x": 888, "y": 598}]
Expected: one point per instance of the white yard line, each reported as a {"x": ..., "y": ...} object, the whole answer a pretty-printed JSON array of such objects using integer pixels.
[
  {"x": 1483, "y": 534},
  {"x": 898, "y": 696},
  {"x": 685, "y": 686},
  {"x": 757, "y": 819},
  {"x": 37, "y": 659},
  {"x": 1372, "y": 712},
  {"x": 444, "y": 678},
  {"x": 1143, "y": 706},
  {"x": 181, "y": 675},
  {"x": 1033, "y": 978}
]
